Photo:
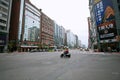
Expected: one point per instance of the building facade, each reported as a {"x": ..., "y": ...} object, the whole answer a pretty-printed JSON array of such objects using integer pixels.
[
  {"x": 76, "y": 43},
  {"x": 59, "y": 35},
  {"x": 106, "y": 17},
  {"x": 25, "y": 26},
  {"x": 47, "y": 31},
  {"x": 116, "y": 5},
  {"x": 93, "y": 34},
  {"x": 71, "y": 40},
  {"x": 89, "y": 33},
  {"x": 79, "y": 44},
  {"x": 5, "y": 12},
  {"x": 16, "y": 23},
  {"x": 31, "y": 27}
]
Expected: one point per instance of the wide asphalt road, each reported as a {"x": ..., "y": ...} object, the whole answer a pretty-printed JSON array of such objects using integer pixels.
[{"x": 49, "y": 66}]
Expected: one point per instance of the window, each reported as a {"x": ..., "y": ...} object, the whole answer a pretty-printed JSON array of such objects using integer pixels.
[
  {"x": 2, "y": 21},
  {"x": 3, "y": 28},
  {"x": 3, "y": 9},
  {"x": 5, "y": 16},
  {"x": 3, "y": 4}
]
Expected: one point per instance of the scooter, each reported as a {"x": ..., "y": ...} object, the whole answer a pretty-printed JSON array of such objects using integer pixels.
[{"x": 64, "y": 55}]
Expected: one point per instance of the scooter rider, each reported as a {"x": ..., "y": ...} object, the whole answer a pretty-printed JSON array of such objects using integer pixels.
[{"x": 66, "y": 51}]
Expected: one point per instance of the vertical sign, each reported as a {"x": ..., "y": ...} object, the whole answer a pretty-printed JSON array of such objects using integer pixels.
[{"x": 105, "y": 19}]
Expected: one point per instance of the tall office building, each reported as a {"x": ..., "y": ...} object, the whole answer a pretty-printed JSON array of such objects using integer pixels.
[
  {"x": 59, "y": 35},
  {"x": 30, "y": 38},
  {"x": 5, "y": 12}
]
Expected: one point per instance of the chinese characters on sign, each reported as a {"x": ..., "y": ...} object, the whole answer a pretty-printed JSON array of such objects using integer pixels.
[
  {"x": 107, "y": 30},
  {"x": 99, "y": 12},
  {"x": 105, "y": 19}
]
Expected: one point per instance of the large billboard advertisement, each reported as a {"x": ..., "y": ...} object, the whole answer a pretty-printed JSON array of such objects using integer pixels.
[{"x": 105, "y": 19}]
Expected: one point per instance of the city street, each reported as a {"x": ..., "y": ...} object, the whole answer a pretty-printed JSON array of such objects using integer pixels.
[{"x": 82, "y": 65}]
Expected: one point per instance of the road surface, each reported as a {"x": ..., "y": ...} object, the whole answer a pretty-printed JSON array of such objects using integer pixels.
[{"x": 49, "y": 66}]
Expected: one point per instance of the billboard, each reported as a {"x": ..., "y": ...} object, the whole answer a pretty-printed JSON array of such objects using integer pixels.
[
  {"x": 105, "y": 19},
  {"x": 107, "y": 30}
]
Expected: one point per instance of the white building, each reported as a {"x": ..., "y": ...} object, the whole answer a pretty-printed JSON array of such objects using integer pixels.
[
  {"x": 71, "y": 39},
  {"x": 79, "y": 43}
]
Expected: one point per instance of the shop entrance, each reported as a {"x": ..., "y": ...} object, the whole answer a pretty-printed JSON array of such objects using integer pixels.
[{"x": 106, "y": 46}]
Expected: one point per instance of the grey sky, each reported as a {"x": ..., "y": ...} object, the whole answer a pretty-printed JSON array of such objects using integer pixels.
[{"x": 71, "y": 14}]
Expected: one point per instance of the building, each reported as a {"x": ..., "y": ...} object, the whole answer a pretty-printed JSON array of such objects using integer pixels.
[
  {"x": 25, "y": 26},
  {"x": 76, "y": 42},
  {"x": 31, "y": 27},
  {"x": 92, "y": 31},
  {"x": 5, "y": 12},
  {"x": 105, "y": 17},
  {"x": 71, "y": 40},
  {"x": 62, "y": 36},
  {"x": 93, "y": 34},
  {"x": 47, "y": 31},
  {"x": 79, "y": 44},
  {"x": 116, "y": 5},
  {"x": 16, "y": 23},
  {"x": 89, "y": 33},
  {"x": 59, "y": 35}
]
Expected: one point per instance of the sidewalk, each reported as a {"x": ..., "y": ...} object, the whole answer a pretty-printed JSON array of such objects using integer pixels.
[
  {"x": 12, "y": 53},
  {"x": 115, "y": 52},
  {"x": 105, "y": 52}
]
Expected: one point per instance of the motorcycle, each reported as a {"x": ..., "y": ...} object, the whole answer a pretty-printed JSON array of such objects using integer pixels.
[{"x": 65, "y": 55}]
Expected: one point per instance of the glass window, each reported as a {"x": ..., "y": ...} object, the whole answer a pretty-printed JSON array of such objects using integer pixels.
[{"x": 32, "y": 26}]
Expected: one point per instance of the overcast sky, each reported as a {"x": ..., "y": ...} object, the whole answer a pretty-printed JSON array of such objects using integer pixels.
[{"x": 71, "y": 14}]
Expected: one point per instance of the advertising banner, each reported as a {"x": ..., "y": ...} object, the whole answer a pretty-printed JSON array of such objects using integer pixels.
[
  {"x": 105, "y": 19},
  {"x": 107, "y": 30}
]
